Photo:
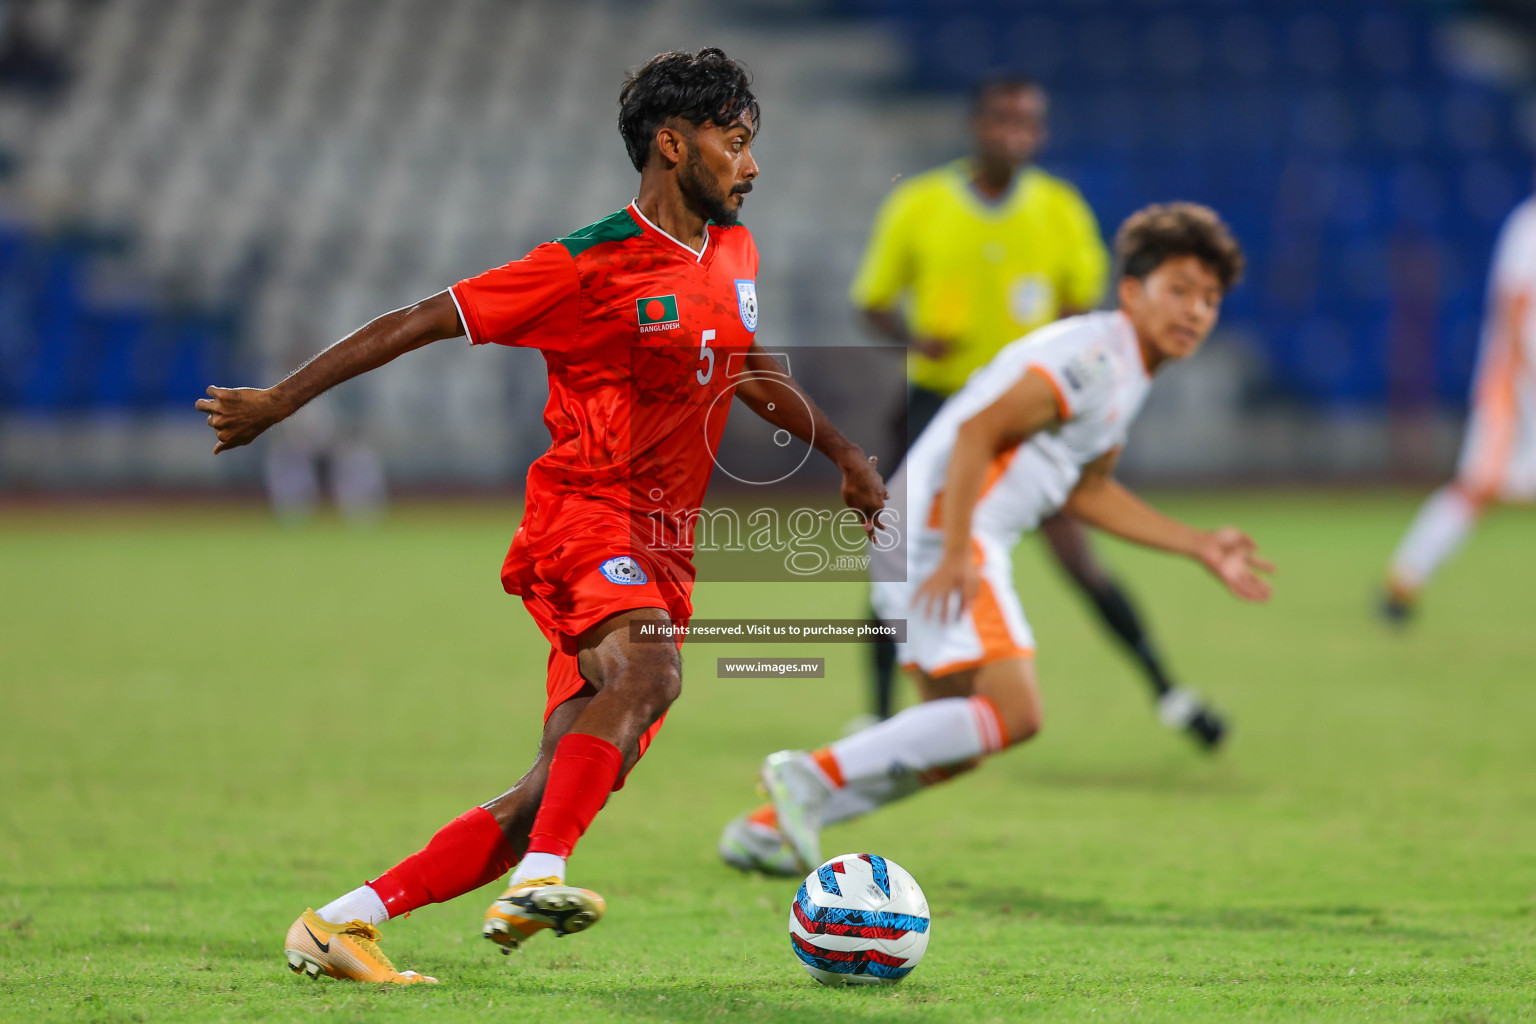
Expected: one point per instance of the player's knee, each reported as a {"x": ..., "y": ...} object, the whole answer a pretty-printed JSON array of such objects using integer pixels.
[
  {"x": 1020, "y": 720},
  {"x": 1014, "y": 700},
  {"x": 668, "y": 684},
  {"x": 1475, "y": 494},
  {"x": 1023, "y": 724},
  {"x": 654, "y": 683}
]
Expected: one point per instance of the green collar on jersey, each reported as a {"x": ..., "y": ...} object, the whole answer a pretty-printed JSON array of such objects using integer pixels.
[{"x": 615, "y": 227}]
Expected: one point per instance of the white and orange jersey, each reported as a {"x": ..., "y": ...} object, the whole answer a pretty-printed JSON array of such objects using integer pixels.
[
  {"x": 1513, "y": 274},
  {"x": 1498, "y": 456},
  {"x": 1095, "y": 366}
]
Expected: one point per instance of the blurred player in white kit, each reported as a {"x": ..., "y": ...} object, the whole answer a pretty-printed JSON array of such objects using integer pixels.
[
  {"x": 1035, "y": 431},
  {"x": 1498, "y": 454}
]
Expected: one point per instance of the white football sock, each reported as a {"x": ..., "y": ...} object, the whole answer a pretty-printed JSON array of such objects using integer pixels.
[
  {"x": 860, "y": 796},
  {"x": 361, "y": 904},
  {"x": 934, "y": 733},
  {"x": 922, "y": 745},
  {"x": 538, "y": 865},
  {"x": 1437, "y": 531}
]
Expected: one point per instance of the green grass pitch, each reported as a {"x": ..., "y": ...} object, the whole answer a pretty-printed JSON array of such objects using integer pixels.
[{"x": 209, "y": 722}]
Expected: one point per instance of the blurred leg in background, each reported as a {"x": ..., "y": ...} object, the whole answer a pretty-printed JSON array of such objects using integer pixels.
[
  {"x": 1497, "y": 462},
  {"x": 357, "y": 481},
  {"x": 920, "y": 408},
  {"x": 1498, "y": 453},
  {"x": 293, "y": 480},
  {"x": 1438, "y": 531},
  {"x": 321, "y": 449},
  {"x": 1176, "y": 707}
]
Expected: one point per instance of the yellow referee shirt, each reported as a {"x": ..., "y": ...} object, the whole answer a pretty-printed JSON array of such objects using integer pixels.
[{"x": 976, "y": 274}]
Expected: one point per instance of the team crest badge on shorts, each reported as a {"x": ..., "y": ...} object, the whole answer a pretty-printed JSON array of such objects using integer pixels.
[
  {"x": 624, "y": 570},
  {"x": 746, "y": 304}
]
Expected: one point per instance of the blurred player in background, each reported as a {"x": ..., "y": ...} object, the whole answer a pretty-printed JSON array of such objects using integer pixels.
[
  {"x": 638, "y": 317},
  {"x": 981, "y": 252},
  {"x": 1498, "y": 454},
  {"x": 1036, "y": 430},
  {"x": 323, "y": 447}
]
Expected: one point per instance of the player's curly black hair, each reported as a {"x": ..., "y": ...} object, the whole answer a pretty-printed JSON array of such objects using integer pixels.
[
  {"x": 1155, "y": 234},
  {"x": 698, "y": 87}
]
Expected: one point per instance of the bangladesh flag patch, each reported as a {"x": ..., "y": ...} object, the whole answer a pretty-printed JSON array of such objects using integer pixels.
[{"x": 657, "y": 313}]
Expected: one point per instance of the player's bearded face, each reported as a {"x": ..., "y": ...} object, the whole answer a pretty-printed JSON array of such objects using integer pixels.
[{"x": 712, "y": 190}]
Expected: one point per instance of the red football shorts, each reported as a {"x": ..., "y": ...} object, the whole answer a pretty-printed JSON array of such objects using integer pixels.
[{"x": 584, "y": 581}]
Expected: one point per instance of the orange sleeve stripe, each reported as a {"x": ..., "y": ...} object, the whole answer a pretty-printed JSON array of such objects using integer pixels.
[{"x": 1063, "y": 407}]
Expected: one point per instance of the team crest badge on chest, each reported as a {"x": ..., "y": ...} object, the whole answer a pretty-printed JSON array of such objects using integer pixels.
[{"x": 746, "y": 304}]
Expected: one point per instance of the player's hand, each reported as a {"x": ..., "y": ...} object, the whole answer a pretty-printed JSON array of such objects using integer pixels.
[
  {"x": 239, "y": 416},
  {"x": 951, "y": 588},
  {"x": 931, "y": 348},
  {"x": 864, "y": 491},
  {"x": 1233, "y": 557}
]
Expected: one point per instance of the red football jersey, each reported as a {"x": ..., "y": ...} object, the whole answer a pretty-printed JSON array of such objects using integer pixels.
[{"x": 639, "y": 333}]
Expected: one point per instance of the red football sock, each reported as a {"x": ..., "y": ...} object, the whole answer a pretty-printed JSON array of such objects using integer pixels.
[
  {"x": 466, "y": 853},
  {"x": 581, "y": 776}
]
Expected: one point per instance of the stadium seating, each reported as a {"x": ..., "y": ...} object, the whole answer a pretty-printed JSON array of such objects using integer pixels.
[
  {"x": 288, "y": 169},
  {"x": 218, "y": 188},
  {"x": 1352, "y": 153}
]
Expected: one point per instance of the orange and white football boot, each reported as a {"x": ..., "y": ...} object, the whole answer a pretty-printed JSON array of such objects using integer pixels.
[
  {"x": 537, "y": 904},
  {"x": 350, "y": 950}
]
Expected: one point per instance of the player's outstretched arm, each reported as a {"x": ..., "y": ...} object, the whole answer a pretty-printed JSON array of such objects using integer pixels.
[
  {"x": 1228, "y": 553},
  {"x": 1027, "y": 407},
  {"x": 240, "y": 415},
  {"x": 763, "y": 389}
]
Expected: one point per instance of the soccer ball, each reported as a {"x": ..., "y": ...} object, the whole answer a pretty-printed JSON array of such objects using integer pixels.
[{"x": 859, "y": 919}]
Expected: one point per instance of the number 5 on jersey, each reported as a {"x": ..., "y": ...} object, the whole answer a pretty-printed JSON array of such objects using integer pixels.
[{"x": 707, "y": 356}]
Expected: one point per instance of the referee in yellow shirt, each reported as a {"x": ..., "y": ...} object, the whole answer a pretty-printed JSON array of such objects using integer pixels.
[{"x": 964, "y": 259}]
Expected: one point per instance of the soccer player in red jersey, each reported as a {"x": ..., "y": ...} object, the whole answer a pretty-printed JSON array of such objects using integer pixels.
[{"x": 638, "y": 317}]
